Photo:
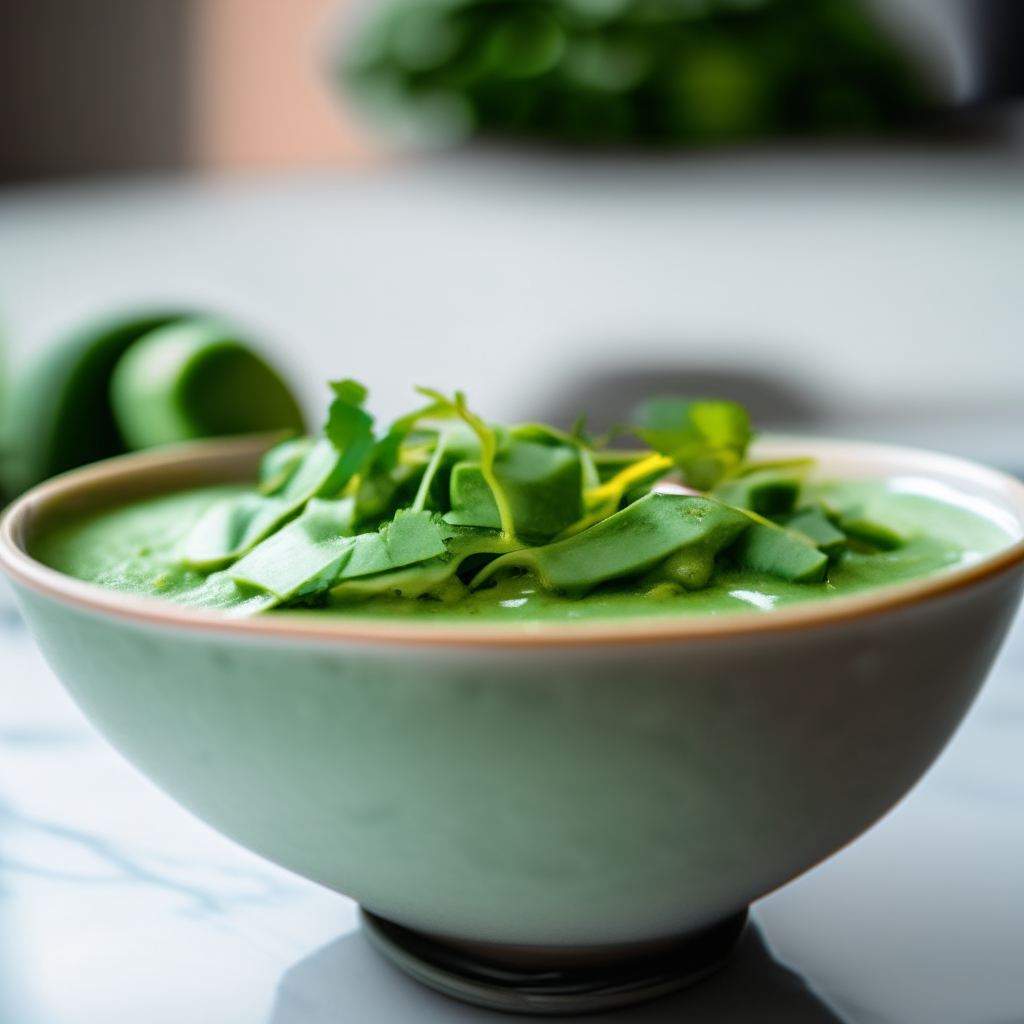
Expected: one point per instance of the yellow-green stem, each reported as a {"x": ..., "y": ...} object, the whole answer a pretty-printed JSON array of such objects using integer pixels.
[
  {"x": 603, "y": 501},
  {"x": 488, "y": 449}
]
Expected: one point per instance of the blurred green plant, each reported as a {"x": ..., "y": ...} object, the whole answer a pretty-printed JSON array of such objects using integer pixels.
[{"x": 612, "y": 72}]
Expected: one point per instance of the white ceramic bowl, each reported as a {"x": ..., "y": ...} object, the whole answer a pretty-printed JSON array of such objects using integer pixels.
[{"x": 532, "y": 785}]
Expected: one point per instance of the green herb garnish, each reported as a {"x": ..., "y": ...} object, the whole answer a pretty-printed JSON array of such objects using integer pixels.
[{"x": 444, "y": 503}]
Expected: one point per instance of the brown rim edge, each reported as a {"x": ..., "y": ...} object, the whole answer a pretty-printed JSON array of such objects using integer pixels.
[{"x": 199, "y": 462}]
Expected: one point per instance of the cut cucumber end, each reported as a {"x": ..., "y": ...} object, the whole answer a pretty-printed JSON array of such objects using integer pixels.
[
  {"x": 60, "y": 415},
  {"x": 194, "y": 379}
]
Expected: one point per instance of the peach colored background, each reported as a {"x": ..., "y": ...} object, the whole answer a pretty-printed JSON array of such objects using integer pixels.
[{"x": 263, "y": 95}]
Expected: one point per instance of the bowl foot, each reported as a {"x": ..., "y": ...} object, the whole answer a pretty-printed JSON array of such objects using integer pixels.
[{"x": 577, "y": 981}]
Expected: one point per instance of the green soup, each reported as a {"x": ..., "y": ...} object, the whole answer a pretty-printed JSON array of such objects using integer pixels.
[{"x": 137, "y": 550}]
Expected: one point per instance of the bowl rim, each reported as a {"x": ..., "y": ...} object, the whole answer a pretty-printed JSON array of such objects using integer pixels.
[{"x": 185, "y": 462}]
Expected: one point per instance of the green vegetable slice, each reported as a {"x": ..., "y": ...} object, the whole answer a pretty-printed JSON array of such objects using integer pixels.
[
  {"x": 231, "y": 527},
  {"x": 60, "y": 415},
  {"x": 434, "y": 578},
  {"x": 543, "y": 483},
  {"x": 769, "y": 493},
  {"x": 280, "y": 463},
  {"x": 410, "y": 537},
  {"x": 317, "y": 550},
  {"x": 864, "y": 527},
  {"x": 814, "y": 523},
  {"x": 193, "y": 378},
  {"x": 626, "y": 544},
  {"x": 311, "y": 548},
  {"x": 766, "y": 547}
]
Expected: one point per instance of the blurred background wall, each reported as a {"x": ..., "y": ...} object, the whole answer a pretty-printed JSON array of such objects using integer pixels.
[
  {"x": 93, "y": 86},
  {"x": 261, "y": 93},
  {"x": 99, "y": 86}
]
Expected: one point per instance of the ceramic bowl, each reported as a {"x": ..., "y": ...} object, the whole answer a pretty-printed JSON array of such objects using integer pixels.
[{"x": 555, "y": 785}]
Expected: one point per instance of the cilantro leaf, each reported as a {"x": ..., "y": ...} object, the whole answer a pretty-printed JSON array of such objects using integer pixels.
[
  {"x": 349, "y": 391},
  {"x": 350, "y": 429},
  {"x": 706, "y": 439}
]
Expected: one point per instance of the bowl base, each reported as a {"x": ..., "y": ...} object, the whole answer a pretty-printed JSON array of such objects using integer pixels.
[{"x": 584, "y": 981}]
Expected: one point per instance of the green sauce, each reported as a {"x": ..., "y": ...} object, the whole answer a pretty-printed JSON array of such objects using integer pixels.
[{"x": 137, "y": 550}]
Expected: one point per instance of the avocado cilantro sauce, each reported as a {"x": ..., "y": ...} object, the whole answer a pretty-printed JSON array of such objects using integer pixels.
[{"x": 444, "y": 515}]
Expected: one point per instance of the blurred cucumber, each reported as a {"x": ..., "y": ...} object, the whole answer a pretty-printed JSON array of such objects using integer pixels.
[
  {"x": 194, "y": 378},
  {"x": 59, "y": 415}
]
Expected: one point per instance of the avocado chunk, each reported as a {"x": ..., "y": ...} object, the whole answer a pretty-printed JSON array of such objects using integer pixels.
[
  {"x": 766, "y": 547},
  {"x": 862, "y": 526},
  {"x": 768, "y": 492},
  {"x": 815, "y": 524},
  {"x": 543, "y": 483}
]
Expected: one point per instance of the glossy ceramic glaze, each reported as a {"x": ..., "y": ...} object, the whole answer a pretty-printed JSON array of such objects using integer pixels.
[{"x": 542, "y": 784}]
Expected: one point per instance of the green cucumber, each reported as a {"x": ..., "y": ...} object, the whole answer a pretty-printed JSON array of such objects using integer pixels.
[
  {"x": 195, "y": 379},
  {"x": 60, "y": 415}
]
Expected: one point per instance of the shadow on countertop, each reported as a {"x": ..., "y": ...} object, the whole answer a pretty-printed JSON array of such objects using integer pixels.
[{"x": 348, "y": 982}]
